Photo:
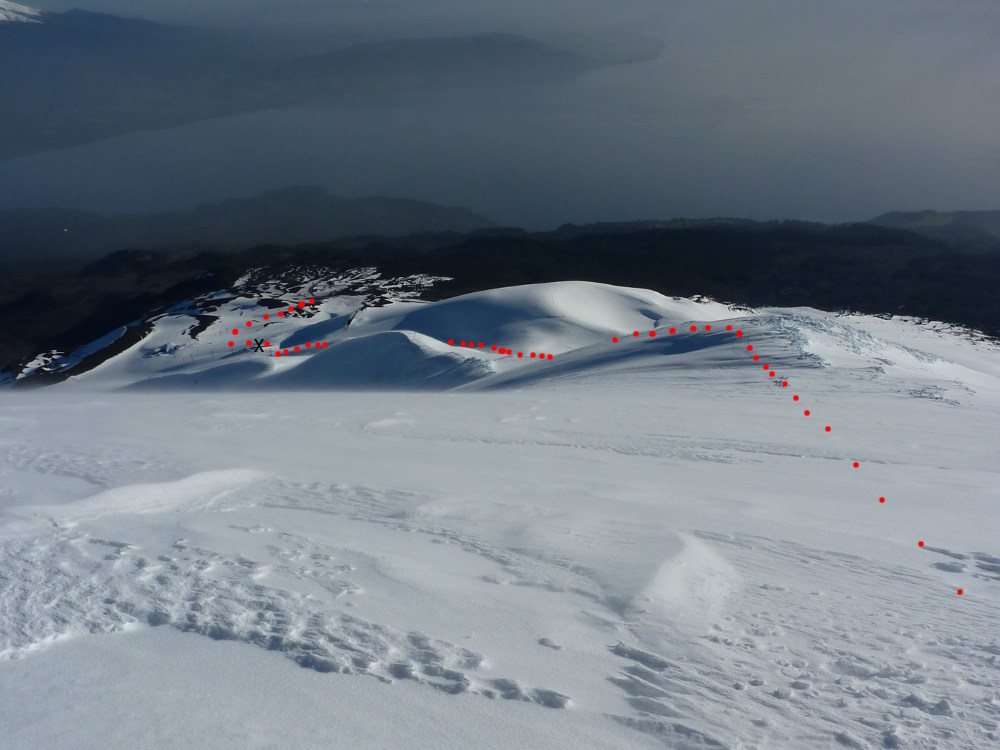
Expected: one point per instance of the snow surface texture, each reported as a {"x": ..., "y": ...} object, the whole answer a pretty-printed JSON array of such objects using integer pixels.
[
  {"x": 14, "y": 12},
  {"x": 187, "y": 344},
  {"x": 635, "y": 544}
]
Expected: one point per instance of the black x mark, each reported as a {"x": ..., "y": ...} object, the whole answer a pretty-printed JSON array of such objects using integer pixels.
[{"x": 259, "y": 345}]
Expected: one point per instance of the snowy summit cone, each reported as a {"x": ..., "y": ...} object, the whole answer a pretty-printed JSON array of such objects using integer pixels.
[{"x": 15, "y": 12}]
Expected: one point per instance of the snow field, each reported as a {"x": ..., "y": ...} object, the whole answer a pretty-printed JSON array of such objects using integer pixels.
[{"x": 642, "y": 545}]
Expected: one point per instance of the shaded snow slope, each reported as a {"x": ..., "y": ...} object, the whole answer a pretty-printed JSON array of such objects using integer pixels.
[
  {"x": 359, "y": 333},
  {"x": 392, "y": 359}
]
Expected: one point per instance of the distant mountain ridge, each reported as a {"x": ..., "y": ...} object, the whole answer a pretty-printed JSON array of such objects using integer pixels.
[
  {"x": 858, "y": 267},
  {"x": 980, "y": 228},
  {"x": 281, "y": 217}
]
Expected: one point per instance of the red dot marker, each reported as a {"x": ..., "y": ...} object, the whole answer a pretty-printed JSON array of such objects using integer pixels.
[
  {"x": 285, "y": 352},
  {"x": 290, "y": 308},
  {"x": 772, "y": 373},
  {"x": 881, "y": 499},
  {"x": 827, "y": 428},
  {"x": 806, "y": 412},
  {"x": 784, "y": 383},
  {"x": 795, "y": 397},
  {"x": 614, "y": 339},
  {"x": 266, "y": 316},
  {"x": 749, "y": 347},
  {"x": 296, "y": 348},
  {"x": 673, "y": 331},
  {"x": 308, "y": 345},
  {"x": 281, "y": 313},
  {"x": 739, "y": 334},
  {"x": 520, "y": 355},
  {"x": 729, "y": 328},
  {"x": 249, "y": 323},
  {"x": 960, "y": 592},
  {"x": 236, "y": 331},
  {"x": 635, "y": 333},
  {"x": 756, "y": 357},
  {"x": 708, "y": 328},
  {"x": 494, "y": 347},
  {"x": 532, "y": 355},
  {"x": 652, "y": 334},
  {"x": 549, "y": 356},
  {"x": 920, "y": 543},
  {"x": 249, "y": 343},
  {"x": 462, "y": 343},
  {"x": 694, "y": 328},
  {"x": 480, "y": 344},
  {"x": 451, "y": 342},
  {"x": 312, "y": 301},
  {"x": 856, "y": 464},
  {"x": 231, "y": 343},
  {"x": 767, "y": 367},
  {"x": 302, "y": 304},
  {"x": 277, "y": 354},
  {"x": 324, "y": 345},
  {"x": 267, "y": 343}
]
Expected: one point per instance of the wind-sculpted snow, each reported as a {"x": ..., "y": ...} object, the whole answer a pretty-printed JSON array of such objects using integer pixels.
[
  {"x": 652, "y": 535},
  {"x": 795, "y": 654},
  {"x": 788, "y": 653},
  {"x": 390, "y": 359},
  {"x": 292, "y": 597}
]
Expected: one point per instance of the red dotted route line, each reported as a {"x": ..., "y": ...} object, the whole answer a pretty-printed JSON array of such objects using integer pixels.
[
  {"x": 784, "y": 384},
  {"x": 281, "y": 314},
  {"x": 500, "y": 350},
  {"x": 542, "y": 356}
]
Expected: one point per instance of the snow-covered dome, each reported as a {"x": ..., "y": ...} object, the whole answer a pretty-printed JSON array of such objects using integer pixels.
[{"x": 15, "y": 12}]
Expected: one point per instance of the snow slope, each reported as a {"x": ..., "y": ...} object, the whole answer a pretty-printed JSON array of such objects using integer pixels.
[
  {"x": 398, "y": 344},
  {"x": 358, "y": 334},
  {"x": 14, "y": 12},
  {"x": 634, "y": 544}
]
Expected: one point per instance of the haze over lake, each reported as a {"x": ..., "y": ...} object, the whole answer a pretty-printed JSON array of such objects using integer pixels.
[{"x": 773, "y": 110}]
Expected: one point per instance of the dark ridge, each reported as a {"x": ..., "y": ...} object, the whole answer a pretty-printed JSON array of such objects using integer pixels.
[
  {"x": 288, "y": 217},
  {"x": 133, "y": 335},
  {"x": 858, "y": 267},
  {"x": 974, "y": 229}
]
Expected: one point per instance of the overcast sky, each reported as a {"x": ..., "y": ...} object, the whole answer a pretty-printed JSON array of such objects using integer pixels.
[{"x": 824, "y": 109}]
